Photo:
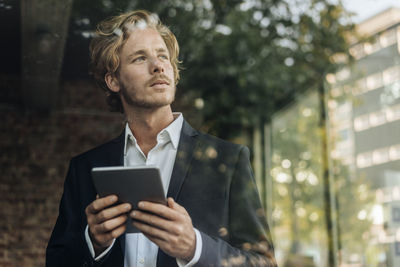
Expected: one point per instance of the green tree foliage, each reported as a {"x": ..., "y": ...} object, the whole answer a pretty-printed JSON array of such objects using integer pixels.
[
  {"x": 354, "y": 197},
  {"x": 299, "y": 213},
  {"x": 298, "y": 180},
  {"x": 242, "y": 59}
]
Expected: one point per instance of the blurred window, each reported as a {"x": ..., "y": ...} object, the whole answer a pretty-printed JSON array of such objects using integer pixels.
[
  {"x": 394, "y": 152},
  {"x": 364, "y": 160},
  {"x": 374, "y": 81},
  {"x": 380, "y": 156},
  {"x": 377, "y": 118},
  {"x": 373, "y": 47},
  {"x": 391, "y": 75},
  {"x": 357, "y": 51},
  {"x": 361, "y": 123},
  {"x": 393, "y": 113},
  {"x": 388, "y": 38},
  {"x": 360, "y": 87}
]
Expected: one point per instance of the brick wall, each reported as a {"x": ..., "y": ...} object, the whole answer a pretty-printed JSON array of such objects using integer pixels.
[{"x": 35, "y": 152}]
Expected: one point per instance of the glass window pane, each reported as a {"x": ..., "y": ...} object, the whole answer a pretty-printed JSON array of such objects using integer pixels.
[
  {"x": 363, "y": 133},
  {"x": 298, "y": 213},
  {"x": 367, "y": 189},
  {"x": 388, "y": 38}
]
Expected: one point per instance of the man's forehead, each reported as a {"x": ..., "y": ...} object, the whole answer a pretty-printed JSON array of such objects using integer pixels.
[
  {"x": 145, "y": 36},
  {"x": 145, "y": 39}
]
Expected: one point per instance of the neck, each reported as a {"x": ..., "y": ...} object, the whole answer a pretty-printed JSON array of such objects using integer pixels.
[{"x": 145, "y": 124}]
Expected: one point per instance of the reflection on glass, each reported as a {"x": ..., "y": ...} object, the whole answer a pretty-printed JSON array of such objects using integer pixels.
[
  {"x": 363, "y": 130},
  {"x": 298, "y": 207},
  {"x": 368, "y": 190}
]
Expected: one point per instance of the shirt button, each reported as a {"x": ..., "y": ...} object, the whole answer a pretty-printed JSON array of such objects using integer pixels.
[{"x": 141, "y": 261}]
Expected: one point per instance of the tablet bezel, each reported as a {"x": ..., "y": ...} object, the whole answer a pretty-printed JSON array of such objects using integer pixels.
[{"x": 131, "y": 185}]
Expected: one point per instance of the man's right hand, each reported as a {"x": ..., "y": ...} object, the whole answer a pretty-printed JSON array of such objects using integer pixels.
[{"x": 105, "y": 222}]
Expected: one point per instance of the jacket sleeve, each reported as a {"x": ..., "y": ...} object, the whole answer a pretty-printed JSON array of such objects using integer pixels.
[
  {"x": 67, "y": 245},
  {"x": 248, "y": 242}
]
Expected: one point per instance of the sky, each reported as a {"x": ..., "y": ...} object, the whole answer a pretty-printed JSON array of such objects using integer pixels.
[{"x": 365, "y": 9}]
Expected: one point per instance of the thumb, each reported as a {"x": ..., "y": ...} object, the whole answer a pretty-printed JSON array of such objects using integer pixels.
[
  {"x": 175, "y": 206},
  {"x": 171, "y": 203}
]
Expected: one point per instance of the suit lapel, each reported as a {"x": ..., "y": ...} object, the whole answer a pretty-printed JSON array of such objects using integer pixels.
[
  {"x": 182, "y": 161},
  {"x": 183, "y": 158}
]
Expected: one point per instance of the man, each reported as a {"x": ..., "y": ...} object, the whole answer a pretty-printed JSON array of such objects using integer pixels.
[{"x": 213, "y": 216}]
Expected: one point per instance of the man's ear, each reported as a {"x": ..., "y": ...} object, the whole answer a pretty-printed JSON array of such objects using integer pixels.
[{"x": 112, "y": 82}]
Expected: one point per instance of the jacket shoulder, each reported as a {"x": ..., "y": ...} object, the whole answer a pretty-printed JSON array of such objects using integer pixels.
[
  {"x": 220, "y": 145},
  {"x": 109, "y": 153}
]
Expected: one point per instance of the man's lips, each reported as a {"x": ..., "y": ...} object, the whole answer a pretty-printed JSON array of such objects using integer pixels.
[{"x": 159, "y": 82}]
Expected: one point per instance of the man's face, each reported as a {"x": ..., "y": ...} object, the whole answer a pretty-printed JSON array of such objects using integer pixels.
[{"x": 146, "y": 76}]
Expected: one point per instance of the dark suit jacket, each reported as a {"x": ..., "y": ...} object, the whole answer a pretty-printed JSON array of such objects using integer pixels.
[{"x": 211, "y": 178}]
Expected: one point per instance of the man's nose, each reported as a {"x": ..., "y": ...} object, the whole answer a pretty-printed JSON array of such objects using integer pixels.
[{"x": 156, "y": 66}]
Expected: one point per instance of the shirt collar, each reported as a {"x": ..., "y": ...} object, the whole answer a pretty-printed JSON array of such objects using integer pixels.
[{"x": 173, "y": 131}]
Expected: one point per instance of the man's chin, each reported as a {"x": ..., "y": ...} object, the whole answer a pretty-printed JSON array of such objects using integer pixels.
[
  {"x": 154, "y": 98},
  {"x": 150, "y": 104}
]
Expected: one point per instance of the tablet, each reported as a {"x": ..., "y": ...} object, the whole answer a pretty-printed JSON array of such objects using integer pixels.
[{"x": 131, "y": 185}]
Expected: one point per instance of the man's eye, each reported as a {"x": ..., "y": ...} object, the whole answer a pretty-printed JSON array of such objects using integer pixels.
[
  {"x": 164, "y": 57},
  {"x": 139, "y": 59}
]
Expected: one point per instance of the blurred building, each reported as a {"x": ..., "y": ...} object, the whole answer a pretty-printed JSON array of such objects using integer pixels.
[{"x": 364, "y": 126}]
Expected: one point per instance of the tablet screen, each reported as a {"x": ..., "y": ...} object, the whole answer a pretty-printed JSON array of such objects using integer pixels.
[{"x": 131, "y": 185}]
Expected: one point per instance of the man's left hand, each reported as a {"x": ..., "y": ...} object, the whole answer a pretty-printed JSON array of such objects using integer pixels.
[{"x": 169, "y": 227}]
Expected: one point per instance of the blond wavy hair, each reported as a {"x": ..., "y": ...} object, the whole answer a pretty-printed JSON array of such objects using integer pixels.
[{"x": 111, "y": 35}]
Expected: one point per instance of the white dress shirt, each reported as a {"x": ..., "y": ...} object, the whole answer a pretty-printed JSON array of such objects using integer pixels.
[{"x": 140, "y": 251}]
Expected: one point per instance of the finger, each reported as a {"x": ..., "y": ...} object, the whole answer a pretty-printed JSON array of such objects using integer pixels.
[
  {"x": 152, "y": 220},
  {"x": 158, "y": 209},
  {"x": 118, "y": 231},
  {"x": 107, "y": 237},
  {"x": 109, "y": 225},
  {"x": 101, "y": 203},
  {"x": 109, "y": 213},
  {"x": 153, "y": 232},
  {"x": 170, "y": 202},
  {"x": 173, "y": 227},
  {"x": 160, "y": 242},
  {"x": 172, "y": 244}
]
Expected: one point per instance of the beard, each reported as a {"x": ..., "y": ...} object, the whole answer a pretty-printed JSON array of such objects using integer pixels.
[{"x": 133, "y": 99}]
